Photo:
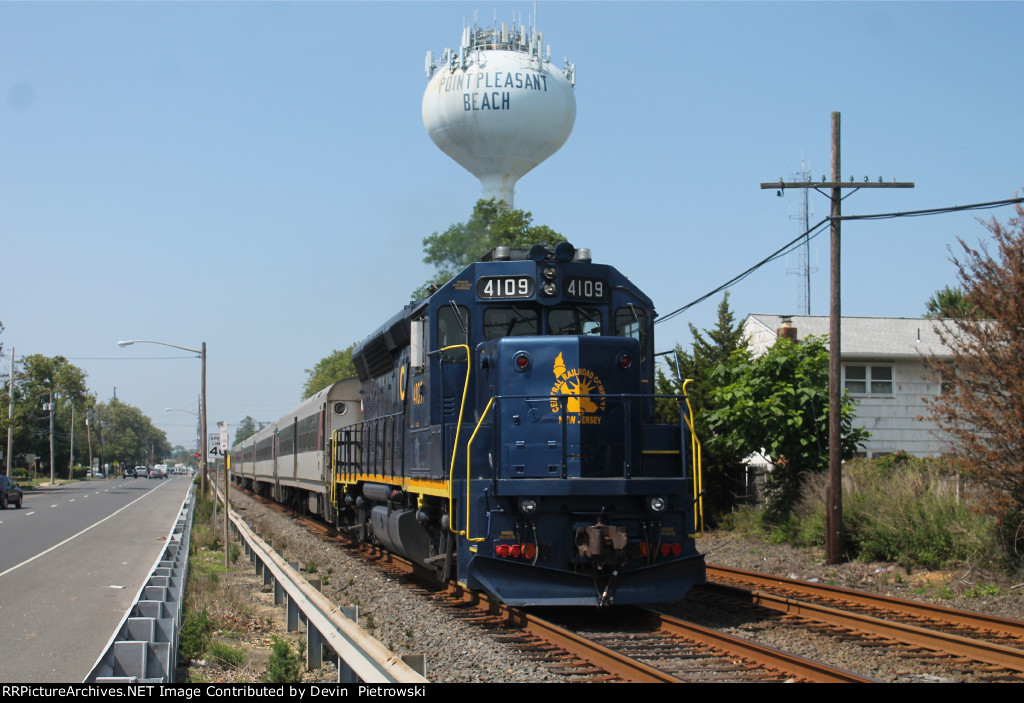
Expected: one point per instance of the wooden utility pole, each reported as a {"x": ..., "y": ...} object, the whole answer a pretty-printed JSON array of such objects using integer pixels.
[{"x": 834, "y": 497}]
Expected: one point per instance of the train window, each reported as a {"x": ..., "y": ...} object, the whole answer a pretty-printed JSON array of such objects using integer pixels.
[
  {"x": 575, "y": 320},
  {"x": 510, "y": 321},
  {"x": 631, "y": 321},
  {"x": 452, "y": 328}
]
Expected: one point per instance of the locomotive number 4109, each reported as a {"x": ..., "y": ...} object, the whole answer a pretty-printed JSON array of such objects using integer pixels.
[
  {"x": 585, "y": 288},
  {"x": 492, "y": 287}
]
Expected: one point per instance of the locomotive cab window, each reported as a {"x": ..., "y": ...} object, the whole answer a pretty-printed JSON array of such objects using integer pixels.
[
  {"x": 510, "y": 321},
  {"x": 631, "y": 321},
  {"x": 452, "y": 328},
  {"x": 574, "y": 321}
]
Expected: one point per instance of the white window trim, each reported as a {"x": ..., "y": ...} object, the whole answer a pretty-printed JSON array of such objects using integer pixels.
[{"x": 867, "y": 366}]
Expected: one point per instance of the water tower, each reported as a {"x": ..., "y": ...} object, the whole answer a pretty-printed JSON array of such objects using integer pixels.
[{"x": 498, "y": 106}]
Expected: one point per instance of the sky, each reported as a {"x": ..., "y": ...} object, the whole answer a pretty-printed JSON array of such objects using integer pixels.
[{"x": 257, "y": 176}]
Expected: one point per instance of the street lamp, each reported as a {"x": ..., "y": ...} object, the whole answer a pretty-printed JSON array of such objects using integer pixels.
[{"x": 202, "y": 410}]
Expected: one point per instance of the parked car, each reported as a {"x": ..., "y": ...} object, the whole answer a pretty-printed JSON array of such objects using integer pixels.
[
  {"x": 10, "y": 492},
  {"x": 129, "y": 471}
]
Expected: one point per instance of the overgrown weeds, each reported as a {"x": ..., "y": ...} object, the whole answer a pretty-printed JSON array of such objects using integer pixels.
[{"x": 898, "y": 508}]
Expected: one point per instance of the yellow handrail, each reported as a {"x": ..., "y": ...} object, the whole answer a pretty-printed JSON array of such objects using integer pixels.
[
  {"x": 469, "y": 444},
  {"x": 695, "y": 450},
  {"x": 458, "y": 429}
]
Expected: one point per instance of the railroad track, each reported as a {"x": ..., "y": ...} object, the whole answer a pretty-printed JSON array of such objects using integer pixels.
[
  {"x": 636, "y": 645},
  {"x": 646, "y": 647},
  {"x": 994, "y": 645}
]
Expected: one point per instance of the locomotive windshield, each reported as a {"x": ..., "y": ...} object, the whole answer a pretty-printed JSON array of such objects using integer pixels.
[
  {"x": 510, "y": 321},
  {"x": 574, "y": 320}
]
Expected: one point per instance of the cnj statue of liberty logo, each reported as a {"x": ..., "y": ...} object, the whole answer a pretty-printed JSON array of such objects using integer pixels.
[{"x": 585, "y": 394}]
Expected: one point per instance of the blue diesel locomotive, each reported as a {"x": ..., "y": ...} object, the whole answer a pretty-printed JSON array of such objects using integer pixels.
[{"x": 507, "y": 439}]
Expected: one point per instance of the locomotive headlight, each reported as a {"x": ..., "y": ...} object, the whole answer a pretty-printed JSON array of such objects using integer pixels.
[
  {"x": 527, "y": 506},
  {"x": 657, "y": 504},
  {"x": 549, "y": 288},
  {"x": 549, "y": 273}
]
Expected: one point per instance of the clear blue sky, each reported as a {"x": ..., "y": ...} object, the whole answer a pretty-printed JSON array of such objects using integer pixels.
[{"x": 257, "y": 175}]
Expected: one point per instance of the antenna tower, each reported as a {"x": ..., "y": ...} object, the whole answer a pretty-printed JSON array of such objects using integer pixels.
[{"x": 803, "y": 268}]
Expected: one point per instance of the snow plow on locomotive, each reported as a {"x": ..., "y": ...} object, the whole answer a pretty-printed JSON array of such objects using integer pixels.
[{"x": 507, "y": 438}]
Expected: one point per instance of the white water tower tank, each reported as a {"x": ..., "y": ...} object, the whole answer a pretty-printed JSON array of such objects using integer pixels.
[{"x": 498, "y": 106}]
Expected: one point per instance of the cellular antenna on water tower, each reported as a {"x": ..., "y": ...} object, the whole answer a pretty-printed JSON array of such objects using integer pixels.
[{"x": 498, "y": 106}]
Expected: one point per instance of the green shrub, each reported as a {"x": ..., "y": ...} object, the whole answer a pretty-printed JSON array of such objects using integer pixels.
[
  {"x": 285, "y": 665},
  {"x": 194, "y": 635}
]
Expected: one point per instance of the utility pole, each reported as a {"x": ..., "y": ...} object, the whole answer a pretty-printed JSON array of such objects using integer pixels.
[
  {"x": 10, "y": 417},
  {"x": 50, "y": 408},
  {"x": 71, "y": 459},
  {"x": 834, "y": 494},
  {"x": 88, "y": 437}
]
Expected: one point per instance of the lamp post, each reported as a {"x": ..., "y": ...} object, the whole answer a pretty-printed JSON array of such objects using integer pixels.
[{"x": 202, "y": 409}]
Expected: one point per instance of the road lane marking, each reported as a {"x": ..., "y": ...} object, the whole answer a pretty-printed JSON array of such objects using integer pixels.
[{"x": 78, "y": 534}]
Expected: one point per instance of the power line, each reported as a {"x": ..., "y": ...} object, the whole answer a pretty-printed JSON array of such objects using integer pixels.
[{"x": 818, "y": 229}]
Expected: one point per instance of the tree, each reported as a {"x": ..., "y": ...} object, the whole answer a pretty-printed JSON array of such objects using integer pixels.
[
  {"x": 246, "y": 428},
  {"x": 129, "y": 436},
  {"x": 777, "y": 406},
  {"x": 492, "y": 223},
  {"x": 331, "y": 369},
  {"x": 709, "y": 354},
  {"x": 951, "y": 304},
  {"x": 981, "y": 404},
  {"x": 39, "y": 380}
]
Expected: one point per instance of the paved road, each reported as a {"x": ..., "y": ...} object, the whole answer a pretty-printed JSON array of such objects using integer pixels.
[{"x": 72, "y": 561}]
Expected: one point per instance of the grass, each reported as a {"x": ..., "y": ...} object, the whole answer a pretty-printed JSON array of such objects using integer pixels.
[{"x": 898, "y": 509}]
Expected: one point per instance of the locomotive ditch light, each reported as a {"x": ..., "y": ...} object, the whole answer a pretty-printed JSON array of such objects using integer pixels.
[
  {"x": 657, "y": 504},
  {"x": 527, "y": 506},
  {"x": 522, "y": 361}
]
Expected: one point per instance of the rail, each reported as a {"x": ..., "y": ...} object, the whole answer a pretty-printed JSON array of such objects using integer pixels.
[{"x": 361, "y": 659}]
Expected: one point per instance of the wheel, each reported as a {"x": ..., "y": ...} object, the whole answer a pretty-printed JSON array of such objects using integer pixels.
[
  {"x": 3, "y": 501},
  {"x": 18, "y": 503}
]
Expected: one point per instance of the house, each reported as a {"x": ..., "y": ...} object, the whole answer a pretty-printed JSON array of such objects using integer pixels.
[{"x": 882, "y": 368}]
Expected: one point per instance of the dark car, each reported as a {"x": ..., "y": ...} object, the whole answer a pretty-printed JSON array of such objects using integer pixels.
[{"x": 10, "y": 492}]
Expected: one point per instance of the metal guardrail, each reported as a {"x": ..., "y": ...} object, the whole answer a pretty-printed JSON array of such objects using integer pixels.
[
  {"x": 360, "y": 658},
  {"x": 144, "y": 647}
]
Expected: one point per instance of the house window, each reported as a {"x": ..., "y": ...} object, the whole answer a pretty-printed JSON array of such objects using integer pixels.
[{"x": 867, "y": 380}]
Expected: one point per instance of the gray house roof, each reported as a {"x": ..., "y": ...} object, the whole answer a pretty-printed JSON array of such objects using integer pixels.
[{"x": 862, "y": 337}]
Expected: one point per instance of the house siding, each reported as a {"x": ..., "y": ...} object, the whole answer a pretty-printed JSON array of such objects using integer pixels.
[{"x": 897, "y": 422}]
